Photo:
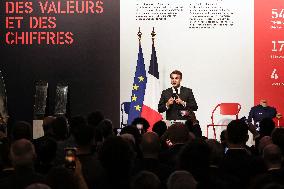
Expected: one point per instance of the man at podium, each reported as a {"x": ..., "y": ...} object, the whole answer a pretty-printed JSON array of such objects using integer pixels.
[{"x": 177, "y": 101}]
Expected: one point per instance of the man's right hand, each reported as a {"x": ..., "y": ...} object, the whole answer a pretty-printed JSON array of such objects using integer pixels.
[{"x": 170, "y": 102}]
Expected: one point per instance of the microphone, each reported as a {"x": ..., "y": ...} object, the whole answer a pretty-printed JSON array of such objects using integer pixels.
[
  {"x": 175, "y": 94},
  {"x": 176, "y": 90}
]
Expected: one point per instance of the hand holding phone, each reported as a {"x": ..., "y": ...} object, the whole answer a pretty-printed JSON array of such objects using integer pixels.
[{"x": 70, "y": 158}]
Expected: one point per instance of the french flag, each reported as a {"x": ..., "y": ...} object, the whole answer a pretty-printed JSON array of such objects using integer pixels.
[{"x": 152, "y": 93}]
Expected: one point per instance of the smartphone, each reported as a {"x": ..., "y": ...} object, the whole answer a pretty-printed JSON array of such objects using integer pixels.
[
  {"x": 244, "y": 119},
  {"x": 169, "y": 143},
  {"x": 70, "y": 158},
  {"x": 139, "y": 126},
  {"x": 118, "y": 131},
  {"x": 226, "y": 149}
]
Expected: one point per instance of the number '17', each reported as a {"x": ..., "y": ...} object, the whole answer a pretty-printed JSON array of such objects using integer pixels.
[{"x": 277, "y": 46}]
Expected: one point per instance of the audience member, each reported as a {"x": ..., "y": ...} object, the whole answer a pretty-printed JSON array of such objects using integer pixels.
[
  {"x": 150, "y": 147},
  {"x": 223, "y": 138},
  {"x": 46, "y": 153},
  {"x": 264, "y": 141},
  {"x": 193, "y": 126},
  {"x": 38, "y": 186},
  {"x": 181, "y": 180},
  {"x": 216, "y": 153},
  {"x": 20, "y": 130},
  {"x": 129, "y": 138},
  {"x": 238, "y": 161},
  {"x": 105, "y": 127},
  {"x": 47, "y": 125},
  {"x": 194, "y": 158},
  {"x": 91, "y": 167},
  {"x": 135, "y": 132},
  {"x": 160, "y": 128},
  {"x": 278, "y": 138},
  {"x": 45, "y": 147},
  {"x": 266, "y": 127},
  {"x": 145, "y": 180},
  {"x": 275, "y": 173},
  {"x": 176, "y": 136},
  {"x": 76, "y": 124},
  {"x": 6, "y": 168},
  {"x": 142, "y": 124},
  {"x": 22, "y": 155},
  {"x": 95, "y": 118},
  {"x": 117, "y": 158},
  {"x": 61, "y": 134},
  {"x": 61, "y": 177},
  {"x": 272, "y": 157},
  {"x": 60, "y": 129},
  {"x": 150, "y": 157}
]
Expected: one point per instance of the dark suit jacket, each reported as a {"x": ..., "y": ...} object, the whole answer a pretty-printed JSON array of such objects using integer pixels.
[
  {"x": 173, "y": 112},
  {"x": 258, "y": 113}
]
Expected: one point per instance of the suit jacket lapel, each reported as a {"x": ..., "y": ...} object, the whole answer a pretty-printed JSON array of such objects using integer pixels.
[
  {"x": 181, "y": 92},
  {"x": 168, "y": 93}
]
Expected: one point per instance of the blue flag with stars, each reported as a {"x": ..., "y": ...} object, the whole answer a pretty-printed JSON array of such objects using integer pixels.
[{"x": 138, "y": 88}]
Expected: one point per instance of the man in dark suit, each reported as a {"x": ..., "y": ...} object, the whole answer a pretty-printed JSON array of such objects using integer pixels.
[
  {"x": 238, "y": 161},
  {"x": 176, "y": 99},
  {"x": 261, "y": 111}
]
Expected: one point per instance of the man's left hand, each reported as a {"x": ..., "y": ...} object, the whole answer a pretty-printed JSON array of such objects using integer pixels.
[{"x": 179, "y": 101}]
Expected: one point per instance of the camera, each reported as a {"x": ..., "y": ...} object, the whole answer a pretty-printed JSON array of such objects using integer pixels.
[{"x": 244, "y": 119}]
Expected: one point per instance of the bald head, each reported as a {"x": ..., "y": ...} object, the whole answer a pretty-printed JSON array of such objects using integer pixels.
[
  {"x": 38, "y": 186},
  {"x": 264, "y": 141},
  {"x": 145, "y": 179},
  {"x": 263, "y": 102},
  {"x": 22, "y": 153},
  {"x": 48, "y": 120},
  {"x": 181, "y": 179},
  {"x": 272, "y": 155},
  {"x": 178, "y": 133},
  {"x": 150, "y": 143},
  {"x": 128, "y": 137}
]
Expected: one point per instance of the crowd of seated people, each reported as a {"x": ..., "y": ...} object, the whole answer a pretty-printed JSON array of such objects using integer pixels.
[{"x": 177, "y": 157}]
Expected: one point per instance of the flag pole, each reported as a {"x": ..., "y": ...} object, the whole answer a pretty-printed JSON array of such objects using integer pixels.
[
  {"x": 153, "y": 34},
  {"x": 139, "y": 86},
  {"x": 139, "y": 34}
]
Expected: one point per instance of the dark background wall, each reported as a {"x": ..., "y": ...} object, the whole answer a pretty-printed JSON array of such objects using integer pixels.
[{"x": 90, "y": 65}]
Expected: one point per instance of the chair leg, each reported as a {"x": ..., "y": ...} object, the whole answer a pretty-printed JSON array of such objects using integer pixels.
[
  {"x": 214, "y": 132},
  {"x": 207, "y": 131}
]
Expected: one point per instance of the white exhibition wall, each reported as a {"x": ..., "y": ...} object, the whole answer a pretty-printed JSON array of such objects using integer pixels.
[{"x": 217, "y": 61}]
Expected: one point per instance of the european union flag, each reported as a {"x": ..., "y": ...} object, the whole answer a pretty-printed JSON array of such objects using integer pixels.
[{"x": 138, "y": 88}]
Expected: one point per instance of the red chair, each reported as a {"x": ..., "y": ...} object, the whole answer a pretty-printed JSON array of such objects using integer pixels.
[{"x": 232, "y": 109}]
